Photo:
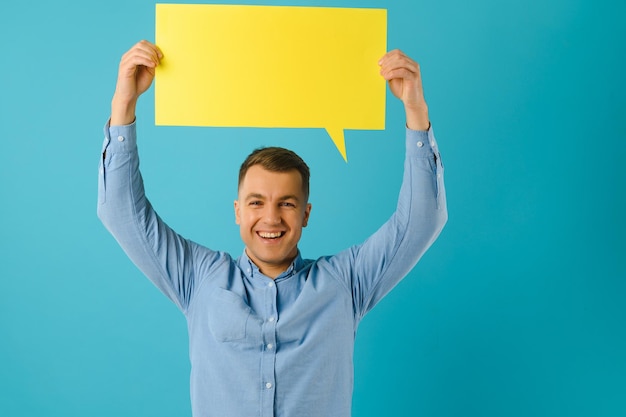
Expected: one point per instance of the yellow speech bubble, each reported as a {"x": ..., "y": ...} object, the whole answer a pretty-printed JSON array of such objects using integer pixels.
[{"x": 271, "y": 66}]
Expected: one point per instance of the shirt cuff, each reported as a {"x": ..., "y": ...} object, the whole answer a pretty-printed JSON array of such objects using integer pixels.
[
  {"x": 421, "y": 143},
  {"x": 120, "y": 139}
]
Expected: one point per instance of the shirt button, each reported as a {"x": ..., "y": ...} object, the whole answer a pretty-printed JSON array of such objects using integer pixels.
[
  {"x": 271, "y": 284},
  {"x": 270, "y": 346},
  {"x": 420, "y": 144},
  {"x": 271, "y": 319},
  {"x": 268, "y": 385},
  {"x": 120, "y": 138}
]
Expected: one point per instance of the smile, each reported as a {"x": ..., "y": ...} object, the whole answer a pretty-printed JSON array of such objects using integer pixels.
[{"x": 270, "y": 235}]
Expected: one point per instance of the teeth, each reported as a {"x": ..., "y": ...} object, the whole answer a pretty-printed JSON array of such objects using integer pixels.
[{"x": 270, "y": 235}]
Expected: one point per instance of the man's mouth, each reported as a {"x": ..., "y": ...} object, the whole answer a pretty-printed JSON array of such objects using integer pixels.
[{"x": 271, "y": 235}]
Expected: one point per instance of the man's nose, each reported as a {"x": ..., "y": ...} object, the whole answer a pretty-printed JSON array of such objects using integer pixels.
[{"x": 272, "y": 215}]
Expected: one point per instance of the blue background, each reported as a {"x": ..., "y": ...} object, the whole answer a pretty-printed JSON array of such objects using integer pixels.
[{"x": 517, "y": 310}]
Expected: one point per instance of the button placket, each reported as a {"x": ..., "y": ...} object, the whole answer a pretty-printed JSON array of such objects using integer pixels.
[{"x": 268, "y": 351}]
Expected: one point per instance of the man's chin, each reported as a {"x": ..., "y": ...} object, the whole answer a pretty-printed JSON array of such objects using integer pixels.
[{"x": 272, "y": 260}]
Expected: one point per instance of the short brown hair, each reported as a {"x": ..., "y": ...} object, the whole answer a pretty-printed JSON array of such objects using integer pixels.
[{"x": 277, "y": 159}]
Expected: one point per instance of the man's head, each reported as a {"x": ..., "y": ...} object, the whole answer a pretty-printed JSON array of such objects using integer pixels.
[
  {"x": 276, "y": 159},
  {"x": 272, "y": 207}
]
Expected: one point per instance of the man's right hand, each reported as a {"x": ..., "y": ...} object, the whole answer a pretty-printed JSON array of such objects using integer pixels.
[{"x": 134, "y": 77}]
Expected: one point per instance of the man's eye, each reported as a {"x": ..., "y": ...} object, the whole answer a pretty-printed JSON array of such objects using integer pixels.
[
  {"x": 287, "y": 204},
  {"x": 254, "y": 203}
]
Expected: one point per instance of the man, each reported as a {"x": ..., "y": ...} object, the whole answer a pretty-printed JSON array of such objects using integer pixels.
[{"x": 270, "y": 333}]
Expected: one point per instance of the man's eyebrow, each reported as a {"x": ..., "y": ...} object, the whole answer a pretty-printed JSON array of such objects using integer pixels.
[
  {"x": 262, "y": 197},
  {"x": 289, "y": 197},
  {"x": 254, "y": 195}
]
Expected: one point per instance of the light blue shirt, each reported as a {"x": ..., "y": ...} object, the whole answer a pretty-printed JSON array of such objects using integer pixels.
[{"x": 271, "y": 347}]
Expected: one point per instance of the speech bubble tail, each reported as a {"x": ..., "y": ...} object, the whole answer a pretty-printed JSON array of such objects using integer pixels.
[{"x": 336, "y": 134}]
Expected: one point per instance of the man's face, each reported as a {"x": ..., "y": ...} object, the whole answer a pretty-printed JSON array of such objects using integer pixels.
[{"x": 271, "y": 211}]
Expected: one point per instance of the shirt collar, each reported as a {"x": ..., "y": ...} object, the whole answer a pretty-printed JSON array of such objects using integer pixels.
[{"x": 251, "y": 271}]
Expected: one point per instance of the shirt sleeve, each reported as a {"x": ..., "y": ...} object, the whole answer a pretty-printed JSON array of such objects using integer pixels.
[
  {"x": 370, "y": 270},
  {"x": 170, "y": 261}
]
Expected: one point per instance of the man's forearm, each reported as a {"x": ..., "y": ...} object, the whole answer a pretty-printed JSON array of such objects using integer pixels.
[
  {"x": 122, "y": 111},
  {"x": 417, "y": 117}
]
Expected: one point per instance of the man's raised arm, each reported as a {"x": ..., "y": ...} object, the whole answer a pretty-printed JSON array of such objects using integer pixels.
[
  {"x": 166, "y": 258},
  {"x": 373, "y": 268}
]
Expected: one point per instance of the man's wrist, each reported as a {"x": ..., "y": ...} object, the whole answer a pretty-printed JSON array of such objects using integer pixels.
[
  {"x": 122, "y": 111},
  {"x": 417, "y": 117}
]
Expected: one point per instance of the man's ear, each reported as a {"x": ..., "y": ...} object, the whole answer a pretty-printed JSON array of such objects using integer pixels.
[
  {"x": 307, "y": 213},
  {"x": 237, "y": 212}
]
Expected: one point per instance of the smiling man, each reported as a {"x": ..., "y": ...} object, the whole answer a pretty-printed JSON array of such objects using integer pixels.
[
  {"x": 272, "y": 207},
  {"x": 271, "y": 334}
]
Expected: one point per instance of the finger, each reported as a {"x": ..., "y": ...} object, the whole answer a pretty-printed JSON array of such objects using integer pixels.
[
  {"x": 147, "y": 53},
  {"x": 145, "y": 50},
  {"x": 400, "y": 62},
  {"x": 399, "y": 73},
  {"x": 389, "y": 55},
  {"x": 138, "y": 56},
  {"x": 393, "y": 58},
  {"x": 149, "y": 46},
  {"x": 397, "y": 59},
  {"x": 137, "y": 60}
]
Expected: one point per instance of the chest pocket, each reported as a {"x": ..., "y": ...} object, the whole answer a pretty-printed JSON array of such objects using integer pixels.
[{"x": 231, "y": 319}]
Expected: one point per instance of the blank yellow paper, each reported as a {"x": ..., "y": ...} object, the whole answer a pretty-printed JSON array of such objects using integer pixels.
[{"x": 271, "y": 66}]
